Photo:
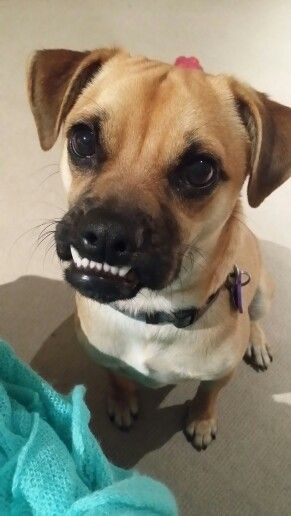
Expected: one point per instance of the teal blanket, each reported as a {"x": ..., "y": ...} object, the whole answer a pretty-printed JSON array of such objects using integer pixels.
[{"x": 51, "y": 464}]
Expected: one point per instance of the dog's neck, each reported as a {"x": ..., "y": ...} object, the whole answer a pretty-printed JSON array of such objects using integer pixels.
[{"x": 203, "y": 272}]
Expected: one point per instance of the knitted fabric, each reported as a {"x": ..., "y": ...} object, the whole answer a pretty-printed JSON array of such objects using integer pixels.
[{"x": 51, "y": 464}]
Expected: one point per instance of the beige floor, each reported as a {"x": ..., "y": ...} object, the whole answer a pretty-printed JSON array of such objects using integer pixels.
[{"x": 250, "y": 38}]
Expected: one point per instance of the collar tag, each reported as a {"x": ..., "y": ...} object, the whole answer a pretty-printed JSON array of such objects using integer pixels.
[{"x": 236, "y": 280}]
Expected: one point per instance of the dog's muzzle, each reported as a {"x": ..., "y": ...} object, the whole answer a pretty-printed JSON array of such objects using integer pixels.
[{"x": 110, "y": 254}]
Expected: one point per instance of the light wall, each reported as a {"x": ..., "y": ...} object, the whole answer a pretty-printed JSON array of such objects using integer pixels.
[{"x": 250, "y": 39}]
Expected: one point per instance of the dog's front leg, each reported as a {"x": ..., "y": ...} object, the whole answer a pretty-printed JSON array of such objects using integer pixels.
[
  {"x": 201, "y": 425},
  {"x": 122, "y": 401}
]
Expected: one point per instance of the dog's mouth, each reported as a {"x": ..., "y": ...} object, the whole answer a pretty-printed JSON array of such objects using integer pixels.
[{"x": 100, "y": 281}]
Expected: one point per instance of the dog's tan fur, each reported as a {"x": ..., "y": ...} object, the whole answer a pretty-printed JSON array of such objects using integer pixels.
[{"x": 148, "y": 110}]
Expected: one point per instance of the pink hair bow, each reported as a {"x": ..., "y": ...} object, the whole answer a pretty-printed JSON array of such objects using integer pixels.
[{"x": 188, "y": 62}]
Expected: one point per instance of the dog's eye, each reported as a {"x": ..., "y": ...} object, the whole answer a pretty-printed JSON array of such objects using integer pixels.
[
  {"x": 195, "y": 177},
  {"x": 200, "y": 174},
  {"x": 82, "y": 141}
]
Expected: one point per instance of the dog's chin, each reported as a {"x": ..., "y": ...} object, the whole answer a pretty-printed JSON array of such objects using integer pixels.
[{"x": 104, "y": 288}]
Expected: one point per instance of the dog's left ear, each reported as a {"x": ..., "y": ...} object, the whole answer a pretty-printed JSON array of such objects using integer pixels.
[
  {"x": 55, "y": 79},
  {"x": 269, "y": 128}
]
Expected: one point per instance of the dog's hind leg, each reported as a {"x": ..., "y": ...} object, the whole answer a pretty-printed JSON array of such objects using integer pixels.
[{"x": 258, "y": 353}]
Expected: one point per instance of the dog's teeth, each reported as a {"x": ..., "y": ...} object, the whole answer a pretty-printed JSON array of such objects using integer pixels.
[
  {"x": 75, "y": 254},
  {"x": 76, "y": 257},
  {"x": 123, "y": 271},
  {"x": 85, "y": 262}
]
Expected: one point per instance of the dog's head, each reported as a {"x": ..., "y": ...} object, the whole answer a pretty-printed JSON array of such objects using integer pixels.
[{"x": 154, "y": 160}]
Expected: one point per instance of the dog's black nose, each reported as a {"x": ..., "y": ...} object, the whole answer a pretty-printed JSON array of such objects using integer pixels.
[{"x": 107, "y": 237}]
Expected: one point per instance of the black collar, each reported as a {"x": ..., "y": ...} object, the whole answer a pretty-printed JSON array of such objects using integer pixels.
[
  {"x": 235, "y": 280},
  {"x": 179, "y": 318}
]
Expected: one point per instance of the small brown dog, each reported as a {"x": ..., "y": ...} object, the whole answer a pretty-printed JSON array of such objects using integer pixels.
[{"x": 154, "y": 242}]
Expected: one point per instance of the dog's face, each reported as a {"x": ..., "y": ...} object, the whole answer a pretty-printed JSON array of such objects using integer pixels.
[{"x": 154, "y": 160}]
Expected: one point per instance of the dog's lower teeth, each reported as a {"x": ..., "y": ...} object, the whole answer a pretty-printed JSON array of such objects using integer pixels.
[
  {"x": 75, "y": 255},
  {"x": 123, "y": 271},
  {"x": 85, "y": 263}
]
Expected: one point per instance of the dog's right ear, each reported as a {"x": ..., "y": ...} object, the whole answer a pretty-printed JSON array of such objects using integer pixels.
[
  {"x": 268, "y": 125},
  {"x": 55, "y": 80}
]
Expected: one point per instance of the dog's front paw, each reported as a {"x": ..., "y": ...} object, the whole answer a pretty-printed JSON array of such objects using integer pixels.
[
  {"x": 258, "y": 356},
  {"x": 200, "y": 432},
  {"x": 123, "y": 410}
]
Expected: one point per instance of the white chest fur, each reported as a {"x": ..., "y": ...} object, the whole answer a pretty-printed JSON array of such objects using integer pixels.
[{"x": 162, "y": 353}]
